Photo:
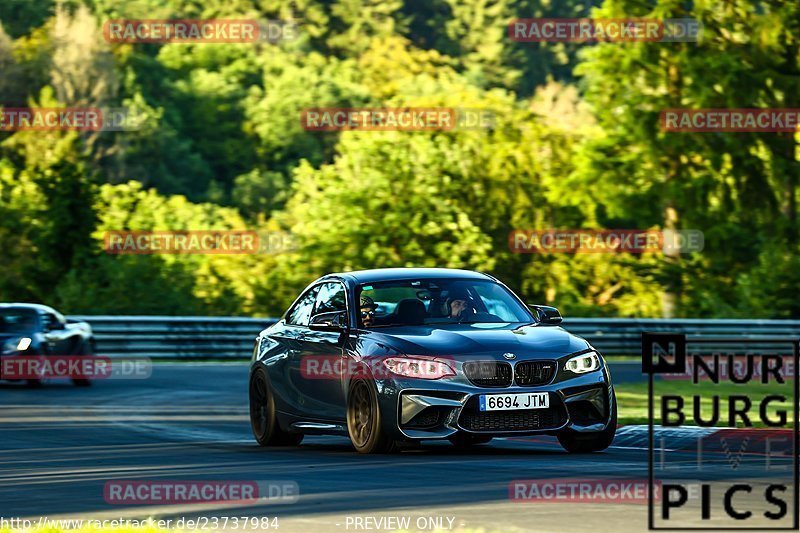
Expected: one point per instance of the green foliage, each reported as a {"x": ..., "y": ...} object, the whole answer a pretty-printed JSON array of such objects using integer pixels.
[
  {"x": 575, "y": 143},
  {"x": 740, "y": 189},
  {"x": 21, "y": 16},
  {"x": 161, "y": 284}
]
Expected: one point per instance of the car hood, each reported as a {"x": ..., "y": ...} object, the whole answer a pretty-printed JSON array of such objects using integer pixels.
[
  {"x": 527, "y": 341},
  {"x": 5, "y": 336}
]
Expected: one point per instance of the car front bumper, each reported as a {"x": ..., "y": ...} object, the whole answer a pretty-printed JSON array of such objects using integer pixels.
[{"x": 418, "y": 409}]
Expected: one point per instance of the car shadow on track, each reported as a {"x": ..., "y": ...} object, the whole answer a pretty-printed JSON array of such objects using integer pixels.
[{"x": 443, "y": 449}]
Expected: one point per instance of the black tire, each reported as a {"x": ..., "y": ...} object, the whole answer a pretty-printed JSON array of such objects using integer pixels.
[
  {"x": 263, "y": 419},
  {"x": 84, "y": 348},
  {"x": 596, "y": 442},
  {"x": 364, "y": 419},
  {"x": 465, "y": 440}
]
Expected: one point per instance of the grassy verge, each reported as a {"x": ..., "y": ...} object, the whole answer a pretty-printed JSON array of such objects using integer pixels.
[
  {"x": 153, "y": 529},
  {"x": 632, "y": 400},
  {"x": 92, "y": 528}
]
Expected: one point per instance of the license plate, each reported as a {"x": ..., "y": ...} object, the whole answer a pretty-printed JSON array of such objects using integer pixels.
[{"x": 510, "y": 402}]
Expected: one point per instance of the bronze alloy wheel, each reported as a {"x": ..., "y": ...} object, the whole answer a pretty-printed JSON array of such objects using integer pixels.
[
  {"x": 360, "y": 419},
  {"x": 364, "y": 419},
  {"x": 263, "y": 419}
]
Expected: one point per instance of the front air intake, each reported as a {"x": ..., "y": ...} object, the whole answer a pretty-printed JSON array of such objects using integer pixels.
[
  {"x": 532, "y": 373},
  {"x": 488, "y": 373}
]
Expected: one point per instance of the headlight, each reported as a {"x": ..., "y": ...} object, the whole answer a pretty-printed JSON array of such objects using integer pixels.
[
  {"x": 418, "y": 368},
  {"x": 581, "y": 364},
  {"x": 23, "y": 344},
  {"x": 16, "y": 345}
]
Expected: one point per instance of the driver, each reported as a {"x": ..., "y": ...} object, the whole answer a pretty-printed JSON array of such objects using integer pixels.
[
  {"x": 460, "y": 304},
  {"x": 368, "y": 307}
]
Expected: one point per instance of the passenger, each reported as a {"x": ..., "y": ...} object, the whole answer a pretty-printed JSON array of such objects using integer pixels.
[{"x": 368, "y": 307}]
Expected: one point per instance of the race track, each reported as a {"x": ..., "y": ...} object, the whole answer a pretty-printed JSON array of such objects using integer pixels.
[{"x": 61, "y": 444}]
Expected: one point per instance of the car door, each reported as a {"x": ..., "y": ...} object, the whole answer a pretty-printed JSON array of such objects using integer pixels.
[
  {"x": 284, "y": 366},
  {"x": 324, "y": 386}
]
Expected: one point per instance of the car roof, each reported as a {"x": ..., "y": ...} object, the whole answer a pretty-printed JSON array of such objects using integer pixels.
[
  {"x": 35, "y": 307},
  {"x": 392, "y": 274}
]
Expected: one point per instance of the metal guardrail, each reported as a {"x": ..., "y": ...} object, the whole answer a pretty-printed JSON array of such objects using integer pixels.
[
  {"x": 199, "y": 337},
  {"x": 623, "y": 336},
  {"x": 169, "y": 337}
]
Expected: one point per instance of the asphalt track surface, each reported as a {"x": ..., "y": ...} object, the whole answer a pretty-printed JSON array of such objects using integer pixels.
[{"x": 60, "y": 444}]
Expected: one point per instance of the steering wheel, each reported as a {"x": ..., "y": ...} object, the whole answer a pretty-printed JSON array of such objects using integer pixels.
[{"x": 468, "y": 311}]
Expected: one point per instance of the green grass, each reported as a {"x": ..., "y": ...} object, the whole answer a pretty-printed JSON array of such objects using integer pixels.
[
  {"x": 90, "y": 527},
  {"x": 632, "y": 400},
  {"x": 153, "y": 529}
]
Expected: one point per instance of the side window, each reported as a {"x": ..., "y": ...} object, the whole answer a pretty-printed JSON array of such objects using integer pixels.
[
  {"x": 300, "y": 314},
  {"x": 331, "y": 297},
  {"x": 51, "y": 322}
]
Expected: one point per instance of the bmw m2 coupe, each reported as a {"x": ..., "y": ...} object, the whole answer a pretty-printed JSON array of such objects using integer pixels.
[{"x": 389, "y": 356}]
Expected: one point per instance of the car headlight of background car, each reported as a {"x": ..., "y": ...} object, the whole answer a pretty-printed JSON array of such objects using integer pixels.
[
  {"x": 583, "y": 363},
  {"x": 17, "y": 345}
]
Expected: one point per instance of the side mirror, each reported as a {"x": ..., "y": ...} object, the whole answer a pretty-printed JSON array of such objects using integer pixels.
[
  {"x": 546, "y": 314},
  {"x": 332, "y": 321}
]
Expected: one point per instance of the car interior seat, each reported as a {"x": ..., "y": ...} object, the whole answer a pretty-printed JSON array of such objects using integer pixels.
[{"x": 410, "y": 312}]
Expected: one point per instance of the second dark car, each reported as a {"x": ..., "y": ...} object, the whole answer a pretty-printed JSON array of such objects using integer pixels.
[
  {"x": 34, "y": 330},
  {"x": 402, "y": 355}
]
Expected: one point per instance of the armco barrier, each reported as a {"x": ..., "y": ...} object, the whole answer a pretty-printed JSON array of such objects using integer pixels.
[
  {"x": 227, "y": 338},
  {"x": 170, "y": 337},
  {"x": 623, "y": 336}
]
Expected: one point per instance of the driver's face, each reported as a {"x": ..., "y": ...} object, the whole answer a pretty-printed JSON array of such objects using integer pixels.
[
  {"x": 457, "y": 307},
  {"x": 367, "y": 316}
]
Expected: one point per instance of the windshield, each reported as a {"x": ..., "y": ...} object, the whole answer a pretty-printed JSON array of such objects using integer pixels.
[
  {"x": 438, "y": 301},
  {"x": 17, "y": 320}
]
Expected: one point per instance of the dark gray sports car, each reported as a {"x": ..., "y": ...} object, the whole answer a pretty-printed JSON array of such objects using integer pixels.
[
  {"x": 402, "y": 355},
  {"x": 29, "y": 330}
]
